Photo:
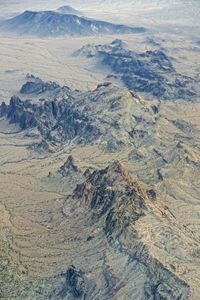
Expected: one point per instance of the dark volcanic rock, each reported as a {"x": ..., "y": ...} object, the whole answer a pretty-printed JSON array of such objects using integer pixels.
[
  {"x": 38, "y": 86},
  {"x": 150, "y": 72},
  {"x": 87, "y": 173},
  {"x": 69, "y": 167},
  {"x": 64, "y": 115},
  {"x": 76, "y": 281},
  {"x": 59, "y": 117},
  {"x": 155, "y": 109},
  {"x": 75, "y": 284},
  {"x": 3, "y": 109},
  {"x": 16, "y": 113}
]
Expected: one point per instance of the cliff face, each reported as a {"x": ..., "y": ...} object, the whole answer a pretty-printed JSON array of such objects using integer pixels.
[{"x": 55, "y": 120}]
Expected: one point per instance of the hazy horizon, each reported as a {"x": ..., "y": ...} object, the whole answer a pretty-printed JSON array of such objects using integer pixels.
[{"x": 149, "y": 12}]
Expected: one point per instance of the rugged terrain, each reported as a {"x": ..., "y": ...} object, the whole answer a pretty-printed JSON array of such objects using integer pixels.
[
  {"x": 151, "y": 72},
  {"x": 99, "y": 150},
  {"x": 77, "y": 222}
]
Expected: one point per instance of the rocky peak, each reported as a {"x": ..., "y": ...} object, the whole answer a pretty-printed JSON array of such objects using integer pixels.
[
  {"x": 37, "y": 86},
  {"x": 15, "y": 101},
  {"x": 87, "y": 173},
  {"x": 112, "y": 189},
  {"x": 3, "y": 108},
  {"x": 114, "y": 175},
  {"x": 128, "y": 214},
  {"x": 118, "y": 173},
  {"x": 69, "y": 167},
  {"x": 117, "y": 166}
]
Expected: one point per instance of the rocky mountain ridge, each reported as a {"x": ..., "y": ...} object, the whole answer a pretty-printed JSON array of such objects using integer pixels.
[
  {"x": 131, "y": 234},
  {"x": 109, "y": 118},
  {"x": 72, "y": 115},
  {"x": 114, "y": 197},
  {"x": 151, "y": 72}
]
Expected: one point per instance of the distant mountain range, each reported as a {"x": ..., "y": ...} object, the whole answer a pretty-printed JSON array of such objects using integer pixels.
[
  {"x": 68, "y": 10},
  {"x": 50, "y": 23}
]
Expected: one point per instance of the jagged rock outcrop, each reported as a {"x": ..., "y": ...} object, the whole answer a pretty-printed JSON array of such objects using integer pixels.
[
  {"x": 115, "y": 178},
  {"x": 87, "y": 173},
  {"x": 82, "y": 117},
  {"x": 57, "y": 116},
  {"x": 75, "y": 284},
  {"x": 76, "y": 281},
  {"x": 100, "y": 189},
  {"x": 150, "y": 72},
  {"x": 38, "y": 86},
  {"x": 69, "y": 167},
  {"x": 111, "y": 194},
  {"x": 17, "y": 112},
  {"x": 28, "y": 114},
  {"x": 114, "y": 230}
]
